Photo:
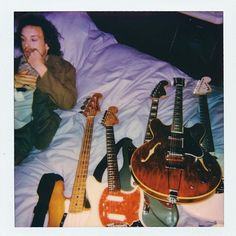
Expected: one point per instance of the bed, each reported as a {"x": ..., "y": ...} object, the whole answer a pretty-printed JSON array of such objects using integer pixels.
[{"x": 125, "y": 77}]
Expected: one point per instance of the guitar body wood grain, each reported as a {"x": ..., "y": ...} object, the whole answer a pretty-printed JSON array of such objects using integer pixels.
[
  {"x": 56, "y": 207},
  {"x": 158, "y": 172},
  {"x": 59, "y": 215}
]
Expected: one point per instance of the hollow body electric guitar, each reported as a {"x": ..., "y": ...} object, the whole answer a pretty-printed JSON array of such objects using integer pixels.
[
  {"x": 77, "y": 210},
  {"x": 171, "y": 166},
  {"x": 156, "y": 213},
  {"x": 117, "y": 207}
]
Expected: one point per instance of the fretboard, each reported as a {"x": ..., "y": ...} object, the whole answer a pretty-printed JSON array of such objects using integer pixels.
[
  {"x": 112, "y": 165},
  {"x": 152, "y": 115},
  {"x": 78, "y": 193},
  {"x": 177, "y": 125},
  {"x": 207, "y": 142}
]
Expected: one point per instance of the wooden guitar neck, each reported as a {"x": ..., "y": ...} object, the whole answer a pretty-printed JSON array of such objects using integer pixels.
[{"x": 78, "y": 192}]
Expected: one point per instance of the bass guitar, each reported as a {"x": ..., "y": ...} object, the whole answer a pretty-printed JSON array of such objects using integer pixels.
[
  {"x": 170, "y": 167},
  {"x": 77, "y": 210}
]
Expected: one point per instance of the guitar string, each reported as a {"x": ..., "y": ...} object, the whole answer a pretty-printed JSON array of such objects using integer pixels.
[
  {"x": 113, "y": 162},
  {"x": 110, "y": 209},
  {"x": 113, "y": 168},
  {"x": 78, "y": 182},
  {"x": 82, "y": 166},
  {"x": 79, "y": 189},
  {"x": 87, "y": 155},
  {"x": 176, "y": 127},
  {"x": 108, "y": 170}
]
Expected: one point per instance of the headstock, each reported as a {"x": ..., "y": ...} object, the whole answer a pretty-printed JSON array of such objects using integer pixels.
[
  {"x": 91, "y": 106},
  {"x": 203, "y": 87},
  {"x": 109, "y": 118},
  {"x": 159, "y": 90}
]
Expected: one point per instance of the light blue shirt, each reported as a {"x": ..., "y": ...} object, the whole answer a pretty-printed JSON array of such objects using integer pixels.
[
  {"x": 23, "y": 100},
  {"x": 23, "y": 107}
]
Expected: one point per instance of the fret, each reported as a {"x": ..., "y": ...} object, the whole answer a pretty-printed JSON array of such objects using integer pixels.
[
  {"x": 79, "y": 187},
  {"x": 108, "y": 121},
  {"x": 176, "y": 140},
  {"x": 112, "y": 166},
  {"x": 177, "y": 124}
]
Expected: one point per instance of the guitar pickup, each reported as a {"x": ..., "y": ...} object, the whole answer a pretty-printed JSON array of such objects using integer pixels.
[
  {"x": 174, "y": 161},
  {"x": 174, "y": 157},
  {"x": 176, "y": 142}
]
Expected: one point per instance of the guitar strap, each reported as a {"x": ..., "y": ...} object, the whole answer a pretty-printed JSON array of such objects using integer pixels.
[
  {"x": 44, "y": 191},
  {"x": 102, "y": 165}
]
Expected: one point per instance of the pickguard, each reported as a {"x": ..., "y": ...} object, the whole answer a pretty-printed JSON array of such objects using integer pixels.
[{"x": 120, "y": 208}]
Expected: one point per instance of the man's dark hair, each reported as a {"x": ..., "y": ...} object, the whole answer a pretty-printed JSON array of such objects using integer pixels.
[{"x": 51, "y": 35}]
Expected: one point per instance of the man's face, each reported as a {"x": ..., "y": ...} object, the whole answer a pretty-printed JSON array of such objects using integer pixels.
[{"x": 32, "y": 38}]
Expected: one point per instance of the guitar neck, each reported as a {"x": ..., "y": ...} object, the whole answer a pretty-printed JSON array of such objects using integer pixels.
[
  {"x": 78, "y": 193},
  {"x": 207, "y": 142},
  {"x": 177, "y": 125},
  {"x": 112, "y": 165},
  {"x": 176, "y": 139},
  {"x": 152, "y": 115}
]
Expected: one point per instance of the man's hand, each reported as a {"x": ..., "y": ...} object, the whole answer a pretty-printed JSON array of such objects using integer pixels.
[
  {"x": 24, "y": 80},
  {"x": 37, "y": 61},
  {"x": 35, "y": 58}
]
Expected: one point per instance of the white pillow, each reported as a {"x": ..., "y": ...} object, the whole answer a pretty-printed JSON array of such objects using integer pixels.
[{"x": 79, "y": 34}]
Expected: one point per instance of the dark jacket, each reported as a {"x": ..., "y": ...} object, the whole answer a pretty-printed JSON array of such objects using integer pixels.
[{"x": 56, "y": 89}]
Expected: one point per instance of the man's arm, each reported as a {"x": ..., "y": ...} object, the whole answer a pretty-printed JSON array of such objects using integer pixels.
[{"x": 60, "y": 84}]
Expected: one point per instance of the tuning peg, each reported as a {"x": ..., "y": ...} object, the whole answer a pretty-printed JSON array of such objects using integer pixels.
[
  {"x": 85, "y": 103},
  {"x": 89, "y": 97},
  {"x": 86, "y": 100}
]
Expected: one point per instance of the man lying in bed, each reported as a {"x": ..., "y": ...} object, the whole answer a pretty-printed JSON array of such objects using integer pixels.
[{"x": 44, "y": 81}]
